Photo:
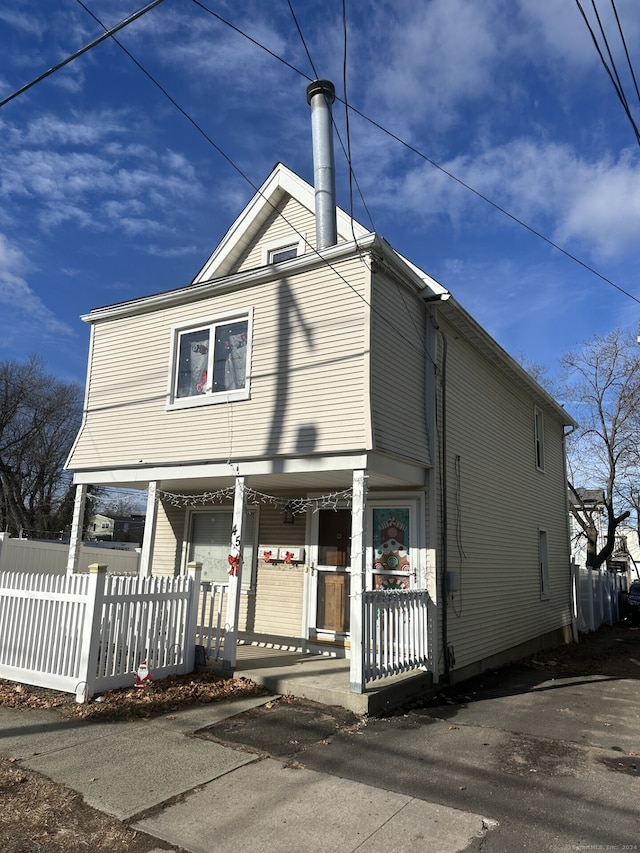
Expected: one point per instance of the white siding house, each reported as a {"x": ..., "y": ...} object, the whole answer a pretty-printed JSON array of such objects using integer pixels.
[{"x": 291, "y": 377}]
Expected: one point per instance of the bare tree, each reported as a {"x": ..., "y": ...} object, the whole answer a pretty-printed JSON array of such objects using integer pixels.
[
  {"x": 39, "y": 418},
  {"x": 603, "y": 388}
]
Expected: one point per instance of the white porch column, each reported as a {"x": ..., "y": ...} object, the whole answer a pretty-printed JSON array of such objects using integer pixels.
[
  {"x": 149, "y": 537},
  {"x": 358, "y": 576},
  {"x": 235, "y": 577},
  {"x": 75, "y": 538}
]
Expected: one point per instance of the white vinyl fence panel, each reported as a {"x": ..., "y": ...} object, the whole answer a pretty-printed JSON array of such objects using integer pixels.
[
  {"x": 397, "y": 632},
  {"x": 599, "y": 596},
  {"x": 87, "y": 633},
  {"x": 26, "y": 555}
]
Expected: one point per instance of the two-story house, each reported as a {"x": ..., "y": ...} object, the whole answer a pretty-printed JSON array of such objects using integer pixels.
[{"x": 313, "y": 418}]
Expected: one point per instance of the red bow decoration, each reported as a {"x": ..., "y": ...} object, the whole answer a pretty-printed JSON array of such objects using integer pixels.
[
  {"x": 234, "y": 564},
  {"x": 288, "y": 557},
  {"x": 267, "y": 556}
]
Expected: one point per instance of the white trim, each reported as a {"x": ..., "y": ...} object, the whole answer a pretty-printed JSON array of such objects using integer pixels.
[
  {"x": 233, "y": 282},
  {"x": 414, "y": 475}
]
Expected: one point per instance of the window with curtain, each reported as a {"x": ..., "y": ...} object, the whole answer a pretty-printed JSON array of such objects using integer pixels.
[{"x": 211, "y": 362}]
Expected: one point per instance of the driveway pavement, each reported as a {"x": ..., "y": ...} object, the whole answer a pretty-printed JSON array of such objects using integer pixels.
[{"x": 525, "y": 759}]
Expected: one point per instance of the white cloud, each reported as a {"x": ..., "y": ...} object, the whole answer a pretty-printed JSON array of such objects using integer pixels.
[
  {"x": 549, "y": 186},
  {"x": 24, "y": 313},
  {"x": 80, "y": 171}
]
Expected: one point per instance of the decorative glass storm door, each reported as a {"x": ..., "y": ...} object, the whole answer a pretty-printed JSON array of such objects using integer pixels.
[{"x": 331, "y": 575}]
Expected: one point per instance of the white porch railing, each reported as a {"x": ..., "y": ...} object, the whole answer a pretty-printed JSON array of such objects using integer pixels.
[
  {"x": 212, "y": 612},
  {"x": 396, "y": 632},
  {"x": 86, "y": 633}
]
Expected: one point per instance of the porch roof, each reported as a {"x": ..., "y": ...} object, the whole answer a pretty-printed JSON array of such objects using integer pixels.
[{"x": 284, "y": 475}]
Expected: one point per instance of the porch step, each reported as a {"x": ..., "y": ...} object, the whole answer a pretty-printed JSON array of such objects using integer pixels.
[{"x": 324, "y": 679}]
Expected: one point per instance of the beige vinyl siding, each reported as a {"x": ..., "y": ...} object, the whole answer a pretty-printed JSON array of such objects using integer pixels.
[
  {"x": 280, "y": 587},
  {"x": 497, "y": 502},
  {"x": 287, "y": 224},
  {"x": 279, "y": 600},
  {"x": 308, "y": 378},
  {"x": 397, "y": 370},
  {"x": 167, "y": 550}
]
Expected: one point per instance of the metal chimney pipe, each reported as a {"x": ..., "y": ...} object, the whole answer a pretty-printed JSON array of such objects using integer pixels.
[{"x": 320, "y": 95}]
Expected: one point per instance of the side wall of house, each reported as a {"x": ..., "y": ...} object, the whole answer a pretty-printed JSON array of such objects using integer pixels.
[
  {"x": 309, "y": 361},
  {"x": 497, "y": 502},
  {"x": 398, "y": 370}
]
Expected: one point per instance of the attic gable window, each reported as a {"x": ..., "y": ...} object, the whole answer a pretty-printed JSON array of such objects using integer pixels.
[
  {"x": 276, "y": 256},
  {"x": 277, "y": 251},
  {"x": 210, "y": 361}
]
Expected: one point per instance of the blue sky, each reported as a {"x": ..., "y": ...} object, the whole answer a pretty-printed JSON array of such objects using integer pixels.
[{"x": 107, "y": 191}]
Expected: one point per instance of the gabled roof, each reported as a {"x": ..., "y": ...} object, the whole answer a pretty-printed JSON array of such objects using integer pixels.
[{"x": 281, "y": 182}]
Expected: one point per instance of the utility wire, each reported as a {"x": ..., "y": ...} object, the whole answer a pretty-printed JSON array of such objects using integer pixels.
[
  {"x": 83, "y": 50},
  {"x": 433, "y": 163},
  {"x": 111, "y": 33},
  {"x": 619, "y": 93},
  {"x": 293, "y": 14},
  {"x": 609, "y": 54},
  {"x": 242, "y": 174},
  {"x": 626, "y": 50}
]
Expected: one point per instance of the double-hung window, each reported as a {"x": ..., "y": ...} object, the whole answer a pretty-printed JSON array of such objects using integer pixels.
[{"x": 210, "y": 361}]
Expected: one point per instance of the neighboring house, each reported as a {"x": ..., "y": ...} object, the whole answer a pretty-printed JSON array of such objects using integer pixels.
[
  {"x": 626, "y": 554},
  {"x": 115, "y": 528},
  {"x": 335, "y": 408}
]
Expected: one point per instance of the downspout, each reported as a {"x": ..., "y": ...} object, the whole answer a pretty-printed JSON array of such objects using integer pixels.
[
  {"x": 444, "y": 512},
  {"x": 574, "y": 584},
  {"x": 441, "y": 446},
  {"x": 320, "y": 95}
]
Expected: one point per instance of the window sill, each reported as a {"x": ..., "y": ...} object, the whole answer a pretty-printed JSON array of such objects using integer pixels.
[{"x": 208, "y": 400}]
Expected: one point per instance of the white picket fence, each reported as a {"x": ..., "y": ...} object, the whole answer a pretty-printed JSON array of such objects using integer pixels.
[
  {"x": 396, "y": 631},
  {"x": 87, "y": 633},
  {"x": 210, "y": 630}
]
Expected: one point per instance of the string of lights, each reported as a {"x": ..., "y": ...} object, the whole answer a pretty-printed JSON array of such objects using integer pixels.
[{"x": 294, "y": 506}]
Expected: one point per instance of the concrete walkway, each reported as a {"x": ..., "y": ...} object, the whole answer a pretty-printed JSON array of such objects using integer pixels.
[{"x": 236, "y": 801}]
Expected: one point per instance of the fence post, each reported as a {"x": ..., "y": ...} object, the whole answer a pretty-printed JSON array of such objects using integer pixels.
[
  {"x": 194, "y": 570},
  {"x": 90, "y": 643}
]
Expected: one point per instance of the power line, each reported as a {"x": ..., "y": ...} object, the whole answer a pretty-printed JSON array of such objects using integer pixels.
[
  {"x": 293, "y": 14},
  {"x": 432, "y": 162},
  {"x": 615, "y": 83},
  {"x": 83, "y": 50},
  {"x": 237, "y": 168},
  {"x": 111, "y": 33},
  {"x": 626, "y": 50}
]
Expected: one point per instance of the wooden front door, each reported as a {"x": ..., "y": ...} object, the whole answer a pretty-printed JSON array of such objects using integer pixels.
[{"x": 333, "y": 571}]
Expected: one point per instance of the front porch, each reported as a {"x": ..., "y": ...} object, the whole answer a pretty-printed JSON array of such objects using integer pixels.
[{"x": 324, "y": 679}]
